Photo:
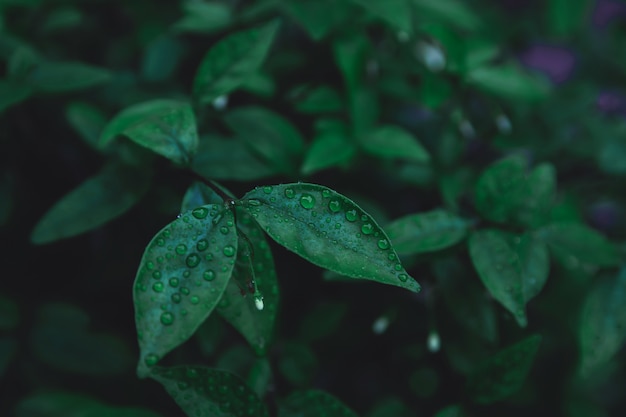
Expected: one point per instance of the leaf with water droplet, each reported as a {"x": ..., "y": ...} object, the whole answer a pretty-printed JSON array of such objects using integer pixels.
[
  {"x": 206, "y": 392},
  {"x": 199, "y": 194},
  {"x": 391, "y": 141},
  {"x": 307, "y": 227},
  {"x": 503, "y": 373},
  {"x": 167, "y": 127},
  {"x": 99, "y": 199},
  {"x": 512, "y": 272},
  {"x": 228, "y": 64},
  {"x": 602, "y": 322},
  {"x": 426, "y": 232},
  {"x": 168, "y": 317},
  {"x": 313, "y": 403}
]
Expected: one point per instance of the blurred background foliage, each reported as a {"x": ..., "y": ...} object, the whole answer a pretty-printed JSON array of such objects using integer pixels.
[{"x": 501, "y": 121}]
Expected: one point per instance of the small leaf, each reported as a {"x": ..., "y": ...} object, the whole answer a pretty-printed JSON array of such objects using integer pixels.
[
  {"x": 603, "y": 319},
  {"x": 204, "y": 17},
  {"x": 298, "y": 363},
  {"x": 426, "y": 232},
  {"x": 397, "y": 13},
  {"x": 394, "y": 142},
  {"x": 330, "y": 147},
  {"x": 12, "y": 92},
  {"x": 313, "y": 403},
  {"x": 205, "y": 392},
  {"x": 167, "y": 127},
  {"x": 579, "y": 243},
  {"x": 96, "y": 201},
  {"x": 509, "y": 82},
  {"x": 450, "y": 411},
  {"x": 504, "y": 373},
  {"x": 455, "y": 12},
  {"x": 540, "y": 192},
  {"x": 322, "y": 99},
  {"x": 181, "y": 278},
  {"x": 56, "y": 77},
  {"x": 329, "y": 230},
  {"x": 318, "y": 17},
  {"x": 322, "y": 321},
  {"x": 535, "y": 264},
  {"x": 87, "y": 120},
  {"x": 231, "y": 61}
]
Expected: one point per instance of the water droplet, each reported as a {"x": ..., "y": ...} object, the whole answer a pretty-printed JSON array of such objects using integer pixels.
[
  {"x": 174, "y": 282},
  {"x": 181, "y": 249},
  {"x": 208, "y": 257},
  {"x": 253, "y": 202},
  {"x": 289, "y": 193},
  {"x": 208, "y": 275},
  {"x": 182, "y": 385},
  {"x": 267, "y": 189},
  {"x": 151, "y": 359},
  {"x": 192, "y": 373},
  {"x": 200, "y": 212},
  {"x": 391, "y": 257},
  {"x": 397, "y": 267},
  {"x": 157, "y": 287},
  {"x": 351, "y": 215},
  {"x": 307, "y": 201},
  {"x": 166, "y": 233},
  {"x": 176, "y": 298},
  {"x": 433, "y": 343},
  {"x": 258, "y": 302},
  {"x": 202, "y": 245},
  {"x": 193, "y": 260},
  {"x": 224, "y": 230},
  {"x": 326, "y": 193},
  {"x": 229, "y": 250},
  {"x": 160, "y": 259},
  {"x": 160, "y": 241},
  {"x": 383, "y": 244},
  {"x": 403, "y": 277},
  {"x": 194, "y": 299},
  {"x": 150, "y": 265},
  {"x": 334, "y": 206},
  {"x": 184, "y": 290},
  {"x": 367, "y": 229},
  {"x": 156, "y": 275},
  {"x": 364, "y": 217},
  {"x": 167, "y": 318},
  {"x": 337, "y": 225}
]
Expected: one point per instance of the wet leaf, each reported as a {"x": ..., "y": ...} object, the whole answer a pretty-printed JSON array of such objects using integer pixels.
[
  {"x": 603, "y": 319},
  {"x": 313, "y": 403},
  {"x": 503, "y": 373},
  {"x": 167, "y": 127},
  {"x": 181, "y": 278},
  {"x": 426, "y": 232},
  {"x": 232, "y": 60},
  {"x": 198, "y": 194},
  {"x": 57, "y": 77},
  {"x": 205, "y": 392},
  {"x": 397, "y": 13},
  {"x": 96, "y": 201},
  {"x": 394, "y": 142},
  {"x": 329, "y": 230}
]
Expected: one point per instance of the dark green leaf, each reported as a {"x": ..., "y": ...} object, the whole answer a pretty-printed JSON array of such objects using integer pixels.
[
  {"x": 322, "y": 321},
  {"x": 390, "y": 406},
  {"x": 8, "y": 349},
  {"x": 566, "y": 17},
  {"x": 317, "y": 17},
  {"x": 167, "y": 127},
  {"x": 204, "y": 17},
  {"x": 56, "y": 77},
  {"x": 575, "y": 242},
  {"x": 330, "y": 147},
  {"x": 62, "y": 19},
  {"x": 161, "y": 57},
  {"x": 534, "y": 262},
  {"x": 397, "y": 13},
  {"x": 12, "y": 92},
  {"x": 313, "y": 403},
  {"x": 198, "y": 195},
  {"x": 450, "y": 411},
  {"x": 96, "y": 201},
  {"x": 364, "y": 111},
  {"x": 298, "y": 363},
  {"x": 181, "y": 278},
  {"x": 329, "y": 230},
  {"x": 394, "y": 142},
  {"x": 231, "y": 61},
  {"x": 260, "y": 376},
  {"x": 350, "y": 55},
  {"x": 503, "y": 373},
  {"x": 455, "y": 12},
  {"x": 540, "y": 189},
  {"x": 205, "y": 392},
  {"x": 509, "y": 82},
  {"x": 87, "y": 120},
  {"x": 426, "y": 232},
  {"x": 322, "y": 99},
  {"x": 601, "y": 332},
  {"x": 260, "y": 84}
]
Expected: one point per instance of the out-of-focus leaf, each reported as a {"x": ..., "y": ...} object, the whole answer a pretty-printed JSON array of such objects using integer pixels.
[
  {"x": 330, "y": 147},
  {"x": 455, "y": 12},
  {"x": 396, "y": 13},
  {"x": 204, "y": 17},
  {"x": 313, "y": 403},
  {"x": 8, "y": 349},
  {"x": 322, "y": 321},
  {"x": 318, "y": 17},
  {"x": 9, "y": 313},
  {"x": 322, "y": 99},
  {"x": 62, "y": 19},
  {"x": 364, "y": 111},
  {"x": 350, "y": 54},
  {"x": 298, "y": 363},
  {"x": 260, "y": 376},
  {"x": 161, "y": 57},
  {"x": 394, "y": 142},
  {"x": 509, "y": 82},
  {"x": 450, "y": 411},
  {"x": 260, "y": 84},
  {"x": 565, "y": 17},
  {"x": 57, "y": 77},
  {"x": 87, "y": 120},
  {"x": 500, "y": 189},
  {"x": 12, "y": 92},
  {"x": 390, "y": 406}
]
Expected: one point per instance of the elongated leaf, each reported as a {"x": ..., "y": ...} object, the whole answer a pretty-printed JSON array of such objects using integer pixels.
[
  {"x": 579, "y": 243},
  {"x": 318, "y": 17},
  {"x": 87, "y": 120},
  {"x": 320, "y": 100},
  {"x": 269, "y": 135},
  {"x": 204, "y": 17},
  {"x": 331, "y": 147},
  {"x": 329, "y": 230},
  {"x": 181, "y": 278},
  {"x": 513, "y": 269},
  {"x": 94, "y": 202},
  {"x": 167, "y": 127},
  {"x": 426, "y": 232},
  {"x": 313, "y": 403},
  {"x": 397, "y": 13},
  {"x": 503, "y": 373},
  {"x": 56, "y": 77},
  {"x": 205, "y": 392},
  {"x": 12, "y": 92},
  {"x": 509, "y": 82},
  {"x": 394, "y": 142},
  {"x": 540, "y": 192},
  {"x": 350, "y": 55},
  {"x": 601, "y": 332},
  {"x": 233, "y": 59}
]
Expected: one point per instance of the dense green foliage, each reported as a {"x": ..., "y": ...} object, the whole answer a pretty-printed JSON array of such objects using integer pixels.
[{"x": 329, "y": 208}]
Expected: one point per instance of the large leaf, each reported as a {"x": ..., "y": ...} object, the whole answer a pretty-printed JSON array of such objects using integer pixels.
[
  {"x": 232, "y": 60},
  {"x": 394, "y": 142},
  {"x": 313, "y": 403},
  {"x": 94, "y": 202},
  {"x": 167, "y": 127},
  {"x": 513, "y": 269},
  {"x": 181, "y": 278},
  {"x": 329, "y": 230},
  {"x": 601, "y": 332},
  {"x": 205, "y": 392},
  {"x": 426, "y": 232},
  {"x": 56, "y": 77},
  {"x": 503, "y": 373}
]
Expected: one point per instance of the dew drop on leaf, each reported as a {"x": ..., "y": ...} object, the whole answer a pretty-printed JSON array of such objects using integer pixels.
[
  {"x": 151, "y": 359},
  {"x": 173, "y": 282},
  {"x": 383, "y": 244},
  {"x": 267, "y": 189},
  {"x": 200, "y": 212},
  {"x": 167, "y": 318},
  {"x": 367, "y": 229},
  {"x": 351, "y": 215},
  {"x": 181, "y": 249},
  {"x": 403, "y": 277},
  {"x": 176, "y": 298},
  {"x": 334, "y": 206},
  {"x": 160, "y": 241},
  {"x": 202, "y": 245},
  {"x": 229, "y": 250},
  {"x": 224, "y": 230},
  {"x": 184, "y": 290},
  {"x": 192, "y": 260},
  {"x": 194, "y": 299},
  {"x": 150, "y": 265},
  {"x": 208, "y": 275},
  {"x": 289, "y": 193},
  {"x": 156, "y": 275},
  {"x": 326, "y": 193},
  {"x": 158, "y": 287},
  {"x": 307, "y": 201},
  {"x": 397, "y": 267}
]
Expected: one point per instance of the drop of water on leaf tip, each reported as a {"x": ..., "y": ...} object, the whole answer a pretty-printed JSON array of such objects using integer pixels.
[
  {"x": 289, "y": 193},
  {"x": 367, "y": 229},
  {"x": 229, "y": 250},
  {"x": 334, "y": 206},
  {"x": 167, "y": 318},
  {"x": 267, "y": 189},
  {"x": 351, "y": 215},
  {"x": 176, "y": 298},
  {"x": 173, "y": 282},
  {"x": 202, "y": 245},
  {"x": 156, "y": 275},
  {"x": 192, "y": 260},
  {"x": 403, "y": 277},
  {"x": 208, "y": 275},
  {"x": 157, "y": 287},
  {"x": 181, "y": 249},
  {"x": 383, "y": 244},
  {"x": 151, "y": 359},
  {"x": 200, "y": 212},
  {"x": 307, "y": 201},
  {"x": 224, "y": 230}
]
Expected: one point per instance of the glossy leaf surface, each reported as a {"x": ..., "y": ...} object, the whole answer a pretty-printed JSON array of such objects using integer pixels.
[
  {"x": 313, "y": 403},
  {"x": 329, "y": 230},
  {"x": 181, "y": 278}
]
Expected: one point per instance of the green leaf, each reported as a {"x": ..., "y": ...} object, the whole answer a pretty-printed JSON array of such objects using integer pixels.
[
  {"x": 454, "y": 12},
  {"x": 274, "y": 138},
  {"x": 509, "y": 82},
  {"x": 331, "y": 147},
  {"x": 313, "y": 403},
  {"x": 318, "y": 17},
  {"x": 566, "y": 17},
  {"x": 12, "y": 92},
  {"x": 167, "y": 127},
  {"x": 450, "y": 411},
  {"x": 322, "y": 321},
  {"x": 87, "y": 120},
  {"x": 390, "y": 406},
  {"x": 364, "y": 111},
  {"x": 198, "y": 195},
  {"x": 8, "y": 349},
  {"x": 232, "y": 60},
  {"x": 260, "y": 376},
  {"x": 394, "y": 142},
  {"x": 298, "y": 363},
  {"x": 160, "y": 59},
  {"x": 504, "y": 373},
  {"x": 57, "y": 77},
  {"x": 222, "y": 158},
  {"x": 350, "y": 55},
  {"x": 575, "y": 242},
  {"x": 322, "y": 99},
  {"x": 205, "y": 392},
  {"x": 426, "y": 232},
  {"x": 601, "y": 332},
  {"x": 96, "y": 201},
  {"x": 204, "y": 17},
  {"x": 329, "y": 230},
  {"x": 540, "y": 193},
  {"x": 181, "y": 278},
  {"x": 397, "y": 13},
  {"x": 513, "y": 269}
]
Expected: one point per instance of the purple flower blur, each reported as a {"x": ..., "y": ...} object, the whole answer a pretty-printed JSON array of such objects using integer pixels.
[{"x": 556, "y": 62}]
